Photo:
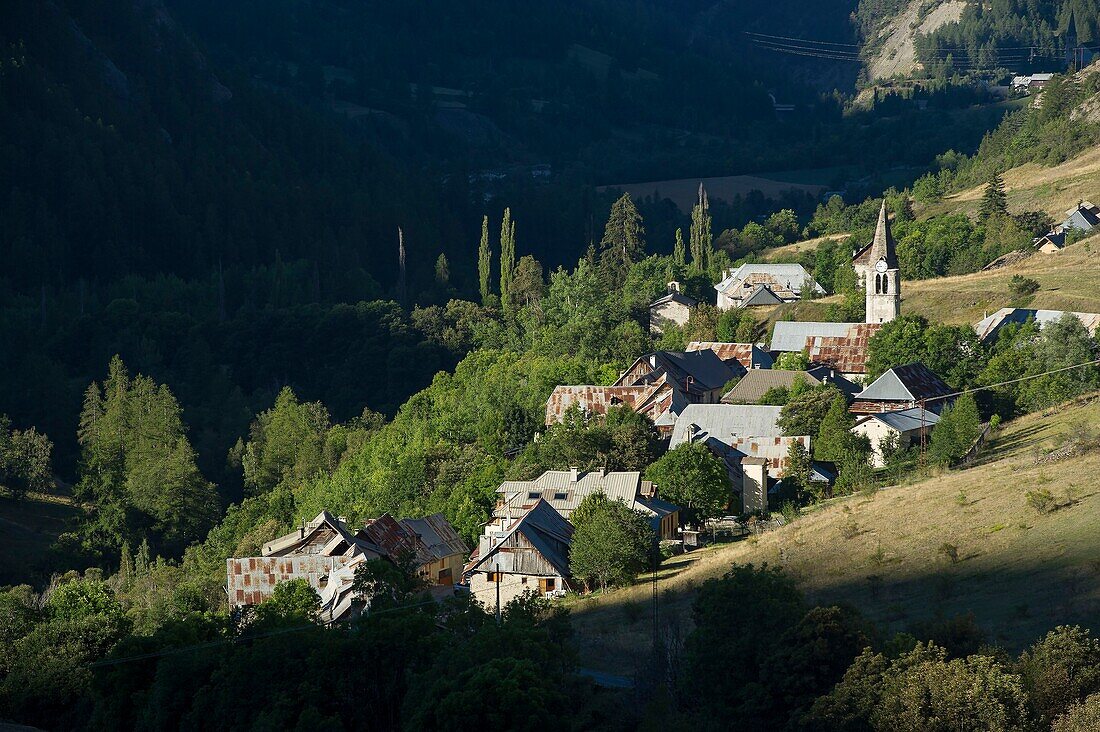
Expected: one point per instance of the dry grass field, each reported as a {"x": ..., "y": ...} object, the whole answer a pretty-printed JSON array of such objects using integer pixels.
[
  {"x": 1017, "y": 570},
  {"x": 29, "y": 528},
  {"x": 1032, "y": 187}
]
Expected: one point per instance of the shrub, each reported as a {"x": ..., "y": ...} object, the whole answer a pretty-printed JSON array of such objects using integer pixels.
[
  {"x": 1020, "y": 286},
  {"x": 1042, "y": 501}
]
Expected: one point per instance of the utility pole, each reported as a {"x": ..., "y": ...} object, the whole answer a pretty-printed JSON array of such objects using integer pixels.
[{"x": 498, "y": 589}]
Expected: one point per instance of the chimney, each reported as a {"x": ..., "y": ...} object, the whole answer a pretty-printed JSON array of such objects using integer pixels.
[
  {"x": 602, "y": 470},
  {"x": 673, "y": 286},
  {"x": 754, "y": 489},
  {"x": 572, "y": 475}
]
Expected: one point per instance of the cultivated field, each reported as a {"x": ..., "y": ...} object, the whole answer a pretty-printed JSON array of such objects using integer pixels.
[{"x": 1019, "y": 571}]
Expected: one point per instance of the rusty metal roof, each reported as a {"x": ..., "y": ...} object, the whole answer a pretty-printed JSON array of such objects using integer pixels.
[
  {"x": 597, "y": 399},
  {"x": 395, "y": 539},
  {"x": 436, "y": 533},
  {"x": 846, "y": 354}
]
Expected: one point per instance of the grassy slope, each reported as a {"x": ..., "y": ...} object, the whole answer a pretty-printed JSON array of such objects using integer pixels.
[
  {"x": 1020, "y": 572},
  {"x": 29, "y": 528},
  {"x": 1032, "y": 187},
  {"x": 1069, "y": 280}
]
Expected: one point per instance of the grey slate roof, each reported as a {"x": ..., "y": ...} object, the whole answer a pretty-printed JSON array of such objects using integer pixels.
[
  {"x": 723, "y": 422},
  {"x": 790, "y": 336},
  {"x": 904, "y": 420},
  {"x": 702, "y": 366},
  {"x": 1082, "y": 217},
  {"x": 755, "y": 383},
  {"x": 908, "y": 383},
  {"x": 825, "y": 374}
]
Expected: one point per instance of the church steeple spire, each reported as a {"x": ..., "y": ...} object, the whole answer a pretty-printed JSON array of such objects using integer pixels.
[{"x": 883, "y": 280}]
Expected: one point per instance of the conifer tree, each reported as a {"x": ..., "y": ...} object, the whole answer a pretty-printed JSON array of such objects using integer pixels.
[
  {"x": 507, "y": 254},
  {"x": 484, "y": 262},
  {"x": 995, "y": 199},
  {"x": 834, "y": 438},
  {"x": 678, "y": 254},
  {"x": 701, "y": 239},
  {"x": 623, "y": 241}
]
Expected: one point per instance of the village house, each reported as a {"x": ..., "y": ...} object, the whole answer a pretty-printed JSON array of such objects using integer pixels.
[
  {"x": 735, "y": 433},
  {"x": 755, "y": 384},
  {"x": 1025, "y": 83},
  {"x": 904, "y": 387},
  {"x": 747, "y": 356},
  {"x": 990, "y": 326},
  {"x": 564, "y": 490},
  {"x": 659, "y": 385},
  {"x": 908, "y": 426},
  {"x": 660, "y": 401},
  {"x": 764, "y": 284},
  {"x": 326, "y": 552},
  {"x": 674, "y": 308},
  {"x": 530, "y": 552},
  {"x": 1082, "y": 218}
]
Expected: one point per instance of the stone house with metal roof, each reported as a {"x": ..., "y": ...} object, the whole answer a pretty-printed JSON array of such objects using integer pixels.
[
  {"x": 764, "y": 284},
  {"x": 909, "y": 426},
  {"x": 842, "y": 347},
  {"x": 326, "y": 552},
  {"x": 528, "y": 552},
  {"x": 904, "y": 387},
  {"x": 674, "y": 308},
  {"x": 734, "y": 433}
]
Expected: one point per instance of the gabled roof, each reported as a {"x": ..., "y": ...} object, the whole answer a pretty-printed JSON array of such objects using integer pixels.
[
  {"x": 438, "y": 535},
  {"x": 704, "y": 368},
  {"x": 725, "y": 422},
  {"x": 748, "y": 355},
  {"x": 904, "y": 420},
  {"x": 909, "y": 383},
  {"x": 395, "y": 539},
  {"x": 675, "y": 297},
  {"x": 1081, "y": 218},
  {"x": 341, "y": 541},
  {"x": 827, "y": 375},
  {"x": 790, "y": 336},
  {"x": 761, "y": 295},
  {"x": 792, "y": 277},
  {"x": 1056, "y": 238},
  {"x": 756, "y": 383},
  {"x": 543, "y": 527},
  {"x": 988, "y": 327}
]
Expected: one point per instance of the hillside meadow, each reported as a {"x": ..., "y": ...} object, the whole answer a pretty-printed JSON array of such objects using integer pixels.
[{"x": 966, "y": 541}]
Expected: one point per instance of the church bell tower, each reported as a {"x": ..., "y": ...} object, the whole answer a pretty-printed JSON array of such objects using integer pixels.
[{"x": 883, "y": 281}]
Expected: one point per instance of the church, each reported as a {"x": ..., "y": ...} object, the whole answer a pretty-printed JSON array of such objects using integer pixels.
[
  {"x": 843, "y": 346},
  {"x": 876, "y": 265}
]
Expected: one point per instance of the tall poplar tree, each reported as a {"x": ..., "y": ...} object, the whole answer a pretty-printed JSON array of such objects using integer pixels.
[
  {"x": 401, "y": 283},
  {"x": 507, "y": 254},
  {"x": 679, "y": 255},
  {"x": 701, "y": 238},
  {"x": 484, "y": 262}
]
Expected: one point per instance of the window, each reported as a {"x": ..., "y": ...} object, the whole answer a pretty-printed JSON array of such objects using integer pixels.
[
  {"x": 547, "y": 584},
  {"x": 561, "y": 496},
  {"x": 492, "y": 577},
  {"x": 534, "y": 495},
  {"x": 885, "y": 284},
  {"x": 523, "y": 580}
]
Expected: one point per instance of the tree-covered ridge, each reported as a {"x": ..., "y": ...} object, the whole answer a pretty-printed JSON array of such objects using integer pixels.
[{"x": 1012, "y": 34}]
